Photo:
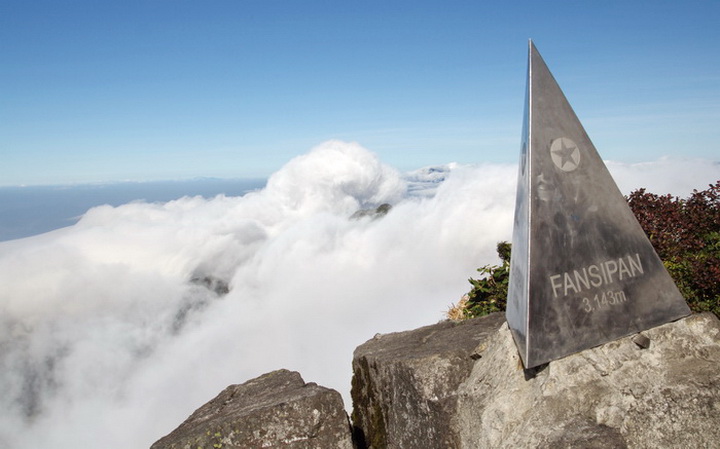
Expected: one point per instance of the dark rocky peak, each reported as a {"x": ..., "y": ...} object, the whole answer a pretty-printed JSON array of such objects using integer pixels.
[{"x": 375, "y": 213}]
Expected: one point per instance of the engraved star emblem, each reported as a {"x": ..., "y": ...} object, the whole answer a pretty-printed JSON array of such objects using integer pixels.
[{"x": 565, "y": 154}]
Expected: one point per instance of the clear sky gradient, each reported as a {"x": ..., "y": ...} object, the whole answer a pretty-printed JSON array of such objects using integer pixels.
[{"x": 97, "y": 90}]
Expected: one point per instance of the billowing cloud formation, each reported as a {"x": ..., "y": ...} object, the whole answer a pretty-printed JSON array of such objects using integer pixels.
[{"x": 114, "y": 330}]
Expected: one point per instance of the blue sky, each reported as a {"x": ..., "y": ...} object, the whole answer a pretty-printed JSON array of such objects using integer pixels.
[{"x": 94, "y": 91}]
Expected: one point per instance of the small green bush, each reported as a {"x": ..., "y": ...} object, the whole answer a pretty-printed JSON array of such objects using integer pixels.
[{"x": 489, "y": 293}]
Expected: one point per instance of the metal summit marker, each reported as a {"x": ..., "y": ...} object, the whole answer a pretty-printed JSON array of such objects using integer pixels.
[{"x": 582, "y": 271}]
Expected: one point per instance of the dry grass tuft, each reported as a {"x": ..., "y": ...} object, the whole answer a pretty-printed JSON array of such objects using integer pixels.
[{"x": 458, "y": 312}]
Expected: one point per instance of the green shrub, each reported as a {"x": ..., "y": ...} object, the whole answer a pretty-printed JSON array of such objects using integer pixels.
[{"x": 489, "y": 293}]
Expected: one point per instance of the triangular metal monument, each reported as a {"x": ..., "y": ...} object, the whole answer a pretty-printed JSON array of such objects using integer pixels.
[{"x": 582, "y": 272}]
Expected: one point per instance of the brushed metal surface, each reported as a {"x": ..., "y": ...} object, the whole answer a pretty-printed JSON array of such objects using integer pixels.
[{"x": 582, "y": 270}]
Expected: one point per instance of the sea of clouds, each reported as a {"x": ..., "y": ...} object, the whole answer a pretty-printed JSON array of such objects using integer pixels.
[{"x": 113, "y": 330}]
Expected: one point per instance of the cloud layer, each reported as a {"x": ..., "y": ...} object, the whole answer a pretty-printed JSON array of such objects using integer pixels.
[{"x": 114, "y": 330}]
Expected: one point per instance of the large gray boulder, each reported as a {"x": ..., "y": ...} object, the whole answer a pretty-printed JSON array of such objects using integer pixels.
[
  {"x": 617, "y": 395},
  {"x": 405, "y": 384},
  {"x": 463, "y": 386},
  {"x": 276, "y": 410}
]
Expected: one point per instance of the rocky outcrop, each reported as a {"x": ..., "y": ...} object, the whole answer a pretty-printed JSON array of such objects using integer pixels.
[
  {"x": 616, "y": 395},
  {"x": 276, "y": 410},
  {"x": 412, "y": 390},
  {"x": 462, "y": 385},
  {"x": 405, "y": 384},
  {"x": 376, "y": 213}
]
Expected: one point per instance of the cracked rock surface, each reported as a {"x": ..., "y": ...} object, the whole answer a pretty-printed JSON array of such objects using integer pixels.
[
  {"x": 463, "y": 386},
  {"x": 276, "y": 410},
  {"x": 616, "y": 395},
  {"x": 405, "y": 384}
]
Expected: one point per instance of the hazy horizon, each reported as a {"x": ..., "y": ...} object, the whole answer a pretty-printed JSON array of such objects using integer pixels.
[{"x": 30, "y": 210}]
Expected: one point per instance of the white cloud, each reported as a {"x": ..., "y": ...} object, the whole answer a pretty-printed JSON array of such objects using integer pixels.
[
  {"x": 676, "y": 176},
  {"x": 107, "y": 340}
]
